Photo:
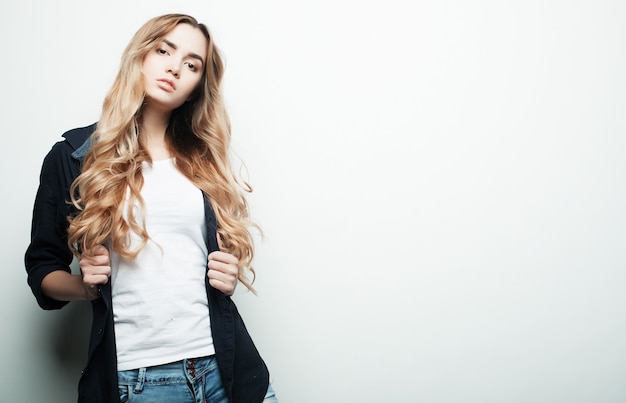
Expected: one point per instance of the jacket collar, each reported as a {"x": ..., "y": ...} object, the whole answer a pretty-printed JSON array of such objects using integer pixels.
[{"x": 80, "y": 140}]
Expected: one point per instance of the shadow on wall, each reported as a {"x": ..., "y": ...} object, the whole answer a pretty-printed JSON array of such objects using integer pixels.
[
  {"x": 57, "y": 340},
  {"x": 70, "y": 337}
]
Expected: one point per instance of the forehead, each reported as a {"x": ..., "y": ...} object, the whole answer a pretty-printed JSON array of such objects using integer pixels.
[{"x": 188, "y": 39}]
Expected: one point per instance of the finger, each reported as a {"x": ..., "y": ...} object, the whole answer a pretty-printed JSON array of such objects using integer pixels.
[
  {"x": 95, "y": 262},
  {"x": 93, "y": 281},
  {"x": 88, "y": 269},
  {"x": 224, "y": 276},
  {"x": 227, "y": 288},
  {"x": 98, "y": 271},
  {"x": 98, "y": 250},
  {"x": 218, "y": 285},
  {"x": 222, "y": 267},
  {"x": 96, "y": 256},
  {"x": 223, "y": 257}
]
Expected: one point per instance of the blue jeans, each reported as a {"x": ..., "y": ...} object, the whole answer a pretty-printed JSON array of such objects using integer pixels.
[{"x": 190, "y": 381}]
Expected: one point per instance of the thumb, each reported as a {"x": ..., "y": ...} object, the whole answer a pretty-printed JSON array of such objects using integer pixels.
[{"x": 98, "y": 250}]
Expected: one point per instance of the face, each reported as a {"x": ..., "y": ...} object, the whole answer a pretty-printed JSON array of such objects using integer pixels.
[{"x": 174, "y": 68}]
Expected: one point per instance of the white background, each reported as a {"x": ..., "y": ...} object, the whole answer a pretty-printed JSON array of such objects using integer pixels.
[{"x": 441, "y": 186}]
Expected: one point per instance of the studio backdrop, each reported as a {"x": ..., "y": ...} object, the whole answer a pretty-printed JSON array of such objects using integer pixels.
[{"x": 441, "y": 188}]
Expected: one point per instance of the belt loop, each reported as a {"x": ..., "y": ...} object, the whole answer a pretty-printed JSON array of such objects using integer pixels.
[{"x": 141, "y": 378}]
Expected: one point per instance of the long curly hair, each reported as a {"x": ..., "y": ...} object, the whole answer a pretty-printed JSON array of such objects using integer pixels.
[{"x": 198, "y": 136}]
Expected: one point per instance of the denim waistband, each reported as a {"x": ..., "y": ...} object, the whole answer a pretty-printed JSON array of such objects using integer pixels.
[{"x": 182, "y": 371}]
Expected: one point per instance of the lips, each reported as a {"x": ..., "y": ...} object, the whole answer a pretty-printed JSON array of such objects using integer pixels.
[{"x": 166, "y": 84}]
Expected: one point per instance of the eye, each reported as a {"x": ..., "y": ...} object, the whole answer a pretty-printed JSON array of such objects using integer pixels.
[
  {"x": 161, "y": 51},
  {"x": 191, "y": 66}
]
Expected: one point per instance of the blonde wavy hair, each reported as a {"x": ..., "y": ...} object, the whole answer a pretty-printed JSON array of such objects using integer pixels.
[{"x": 198, "y": 136}]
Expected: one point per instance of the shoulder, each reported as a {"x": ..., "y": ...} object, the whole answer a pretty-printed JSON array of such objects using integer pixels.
[
  {"x": 73, "y": 140},
  {"x": 62, "y": 157},
  {"x": 78, "y": 136}
]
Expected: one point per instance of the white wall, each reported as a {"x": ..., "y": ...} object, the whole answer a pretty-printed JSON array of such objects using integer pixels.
[{"x": 441, "y": 186}]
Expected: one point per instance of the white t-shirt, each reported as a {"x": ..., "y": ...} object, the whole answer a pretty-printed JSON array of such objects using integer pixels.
[{"x": 160, "y": 306}]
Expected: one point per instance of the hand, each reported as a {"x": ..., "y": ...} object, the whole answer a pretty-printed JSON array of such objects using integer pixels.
[
  {"x": 223, "y": 270},
  {"x": 95, "y": 267}
]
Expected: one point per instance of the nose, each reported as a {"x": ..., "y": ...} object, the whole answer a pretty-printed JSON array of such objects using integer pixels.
[{"x": 173, "y": 69}]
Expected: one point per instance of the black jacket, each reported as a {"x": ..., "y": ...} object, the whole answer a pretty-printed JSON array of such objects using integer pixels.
[{"x": 244, "y": 374}]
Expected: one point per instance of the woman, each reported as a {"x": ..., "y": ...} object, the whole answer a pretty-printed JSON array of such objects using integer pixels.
[{"x": 159, "y": 224}]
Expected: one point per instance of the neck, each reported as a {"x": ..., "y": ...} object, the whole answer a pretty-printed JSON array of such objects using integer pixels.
[{"x": 153, "y": 130}]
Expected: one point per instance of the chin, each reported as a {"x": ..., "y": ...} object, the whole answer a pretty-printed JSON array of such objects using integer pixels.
[{"x": 162, "y": 104}]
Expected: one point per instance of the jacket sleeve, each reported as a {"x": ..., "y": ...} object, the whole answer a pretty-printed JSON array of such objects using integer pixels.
[{"x": 48, "y": 250}]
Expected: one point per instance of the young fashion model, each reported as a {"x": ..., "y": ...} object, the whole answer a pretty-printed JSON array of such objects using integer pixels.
[{"x": 148, "y": 203}]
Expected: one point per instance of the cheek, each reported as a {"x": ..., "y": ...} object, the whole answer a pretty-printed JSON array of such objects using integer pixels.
[{"x": 150, "y": 65}]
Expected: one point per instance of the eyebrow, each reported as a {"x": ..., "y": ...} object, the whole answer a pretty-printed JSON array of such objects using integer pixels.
[{"x": 191, "y": 54}]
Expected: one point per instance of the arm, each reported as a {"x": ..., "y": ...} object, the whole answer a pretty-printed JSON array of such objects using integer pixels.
[
  {"x": 48, "y": 257},
  {"x": 95, "y": 269},
  {"x": 63, "y": 286},
  {"x": 48, "y": 251}
]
